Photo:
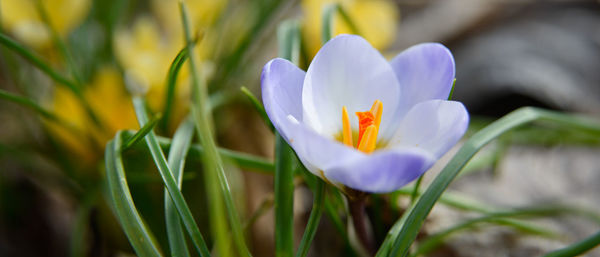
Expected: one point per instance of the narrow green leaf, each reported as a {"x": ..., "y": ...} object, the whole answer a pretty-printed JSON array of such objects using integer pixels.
[
  {"x": 135, "y": 229},
  {"x": 284, "y": 198},
  {"x": 58, "y": 42},
  {"x": 328, "y": 15},
  {"x": 452, "y": 89},
  {"x": 411, "y": 227},
  {"x": 288, "y": 36},
  {"x": 266, "y": 11},
  {"x": 577, "y": 248},
  {"x": 213, "y": 164},
  {"x": 44, "y": 67},
  {"x": 460, "y": 202},
  {"x": 171, "y": 83},
  {"x": 37, "y": 62},
  {"x": 433, "y": 241},
  {"x": 141, "y": 133},
  {"x": 313, "y": 220},
  {"x": 243, "y": 160},
  {"x": 179, "y": 149},
  {"x": 28, "y": 103},
  {"x": 415, "y": 193},
  {"x": 169, "y": 181},
  {"x": 258, "y": 107}
]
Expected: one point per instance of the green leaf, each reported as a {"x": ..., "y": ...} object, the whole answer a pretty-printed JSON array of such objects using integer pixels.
[
  {"x": 37, "y": 62},
  {"x": 288, "y": 36},
  {"x": 313, "y": 220},
  {"x": 417, "y": 216},
  {"x": 44, "y": 67},
  {"x": 29, "y": 104},
  {"x": 171, "y": 83},
  {"x": 177, "y": 154},
  {"x": 328, "y": 15},
  {"x": 169, "y": 181},
  {"x": 243, "y": 160},
  {"x": 141, "y": 133},
  {"x": 577, "y": 248},
  {"x": 213, "y": 165},
  {"x": 258, "y": 107},
  {"x": 141, "y": 238},
  {"x": 433, "y": 241}
]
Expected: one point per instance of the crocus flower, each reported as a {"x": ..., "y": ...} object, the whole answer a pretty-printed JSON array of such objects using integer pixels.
[
  {"x": 146, "y": 49},
  {"x": 357, "y": 120},
  {"x": 21, "y": 18},
  {"x": 376, "y": 20}
]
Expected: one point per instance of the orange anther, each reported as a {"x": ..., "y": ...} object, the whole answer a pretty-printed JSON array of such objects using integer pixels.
[
  {"x": 365, "y": 119},
  {"x": 346, "y": 130}
]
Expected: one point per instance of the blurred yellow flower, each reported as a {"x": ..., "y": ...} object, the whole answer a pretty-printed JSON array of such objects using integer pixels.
[
  {"x": 21, "y": 18},
  {"x": 376, "y": 21},
  {"x": 147, "y": 49},
  {"x": 110, "y": 102}
]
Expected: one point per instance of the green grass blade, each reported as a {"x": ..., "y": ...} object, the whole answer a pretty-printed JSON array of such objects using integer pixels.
[
  {"x": 409, "y": 231},
  {"x": 258, "y": 107},
  {"x": 171, "y": 83},
  {"x": 58, "y": 42},
  {"x": 328, "y": 14},
  {"x": 266, "y": 11},
  {"x": 29, "y": 104},
  {"x": 415, "y": 193},
  {"x": 243, "y": 160},
  {"x": 141, "y": 133},
  {"x": 313, "y": 220},
  {"x": 460, "y": 202},
  {"x": 288, "y": 36},
  {"x": 284, "y": 198},
  {"x": 177, "y": 154},
  {"x": 37, "y": 62},
  {"x": 578, "y": 248},
  {"x": 169, "y": 181},
  {"x": 45, "y": 68},
  {"x": 433, "y": 241},
  {"x": 213, "y": 165},
  {"x": 135, "y": 229}
]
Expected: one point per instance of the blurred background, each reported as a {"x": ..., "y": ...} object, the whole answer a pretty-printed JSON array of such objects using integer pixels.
[{"x": 508, "y": 53}]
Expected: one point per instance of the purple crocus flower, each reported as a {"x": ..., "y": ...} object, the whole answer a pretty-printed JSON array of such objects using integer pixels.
[{"x": 403, "y": 122}]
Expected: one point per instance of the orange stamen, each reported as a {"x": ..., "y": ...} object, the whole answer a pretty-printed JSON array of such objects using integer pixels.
[
  {"x": 368, "y": 128},
  {"x": 346, "y": 130},
  {"x": 367, "y": 144},
  {"x": 377, "y": 110},
  {"x": 365, "y": 119}
]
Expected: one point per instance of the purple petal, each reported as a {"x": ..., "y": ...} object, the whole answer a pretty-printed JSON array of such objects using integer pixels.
[
  {"x": 434, "y": 125},
  {"x": 316, "y": 152},
  {"x": 281, "y": 84},
  {"x": 382, "y": 171},
  {"x": 425, "y": 72},
  {"x": 347, "y": 71}
]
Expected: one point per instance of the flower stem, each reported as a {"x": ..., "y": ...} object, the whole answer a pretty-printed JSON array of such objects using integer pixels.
[{"x": 360, "y": 220}]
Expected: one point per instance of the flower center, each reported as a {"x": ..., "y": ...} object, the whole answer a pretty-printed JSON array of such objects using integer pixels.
[{"x": 368, "y": 127}]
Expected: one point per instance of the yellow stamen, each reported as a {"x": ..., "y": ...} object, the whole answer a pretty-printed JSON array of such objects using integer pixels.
[
  {"x": 377, "y": 110},
  {"x": 347, "y": 130},
  {"x": 367, "y": 144}
]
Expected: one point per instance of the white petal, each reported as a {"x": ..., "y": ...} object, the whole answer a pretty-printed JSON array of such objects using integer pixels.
[
  {"x": 281, "y": 84},
  {"x": 349, "y": 72},
  {"x": 425, "y": 72},
  {"x": 434, "y": 125}
]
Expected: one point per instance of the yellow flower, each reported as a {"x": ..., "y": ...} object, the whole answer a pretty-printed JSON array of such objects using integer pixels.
[
  {"x": 20, "y": 18},
  {"x": 376, "y": 21},
  {"x": 147, "y": 49},
  {"x": 110, "y": 102}
]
